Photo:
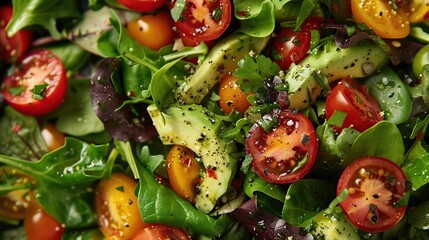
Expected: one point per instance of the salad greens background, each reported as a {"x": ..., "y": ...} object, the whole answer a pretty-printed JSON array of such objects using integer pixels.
[{"x": 151, "y": 76}]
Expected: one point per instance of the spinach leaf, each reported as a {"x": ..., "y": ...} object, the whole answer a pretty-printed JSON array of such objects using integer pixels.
[
  {"x": 160, "y": 204},
  {"x": 69, "y": 173},
  {"x": 419, "y": 216},
  {"x": 72, "y": 56},
  {"x": 382, "y": 140},
  {"x": 76, "y": 116},
  {"x": 20, "y": 136},
  {"x": 417, "y": 170},
  {"x": 253, "y": 184},
  {"x": 48, "y": 14},
  {"x": 305, "y": 198}
]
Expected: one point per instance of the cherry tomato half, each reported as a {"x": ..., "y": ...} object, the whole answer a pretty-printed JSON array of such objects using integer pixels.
[
  {"x": 53, "y": 138},
  {"x": 183, "y": 171},
  {"x": 38, "y": 86},
  {"x": 17, "y": 204},
  {"x": 287, "y": 152},
  {"x": 232, "y": 98},
  {"x": 143, "y": 5},
  {"x": 153, "y": 30},
  {"x": 204, "y": 20},
  {"x": 375, "y": 185},
  {"x": 291, "y": 47},
  {"x": 41, "y": 226},
  {"x": 160, "y": 232},
  {"x": 380, "y": 16},
  {"x": 352, "y": 98},
  {"x": 12, "y": 48},
  {"x": 117, "y": 208}
]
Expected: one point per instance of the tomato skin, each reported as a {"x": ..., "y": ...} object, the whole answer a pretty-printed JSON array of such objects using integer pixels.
[
  {"x": 17, "y": 204},
  {"x": 153, "y": 30},
  {"x": 143, "y": 5},
  {"x": 279, "y": 155},
  {"x": 375, "y": 184},
  {"x": 204, "y": 20},
  {"x": 350, "y": 97},
  {"x": 117, "y": 208},
  {"x": 382, "y": 18},
  {"x": 161, "y": 232},
  {"x": 232, "y": 98},
  {"x": 54, "y": 139},
  {"x": 291, "y": 47},
  {"x": 38, "y": 67},
  {"x": 183, "y": 171},
  {"x": 12, "y": 48},
  {"x": 41, "y": 226}
]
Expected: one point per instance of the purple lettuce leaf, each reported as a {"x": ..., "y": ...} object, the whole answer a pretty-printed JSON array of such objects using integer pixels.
[
  {"x": 264, "y": 225},
  {"x": 129, "y": 122}
]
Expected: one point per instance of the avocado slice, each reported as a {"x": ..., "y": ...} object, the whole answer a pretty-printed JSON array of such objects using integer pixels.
[
  {"x": 357, "y": 61},
  {"x": 220, "y": 61},
  {"x": 197, "y": 128},
  {"x": 334, "y": 226}
]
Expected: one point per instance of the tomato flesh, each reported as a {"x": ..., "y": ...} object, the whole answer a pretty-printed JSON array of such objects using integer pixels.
[
  {"x": 159, "y": 231},
  {"x": 204, "y": 20},
  {"x": 375, "y": 185},
  {"x": 41, "y": 74},
  {"x": 12, "y": 48},
  {"x": 291, "y": 46},
  {"x": 352, "y": 98},
  {"x": 286, "y": 153}
]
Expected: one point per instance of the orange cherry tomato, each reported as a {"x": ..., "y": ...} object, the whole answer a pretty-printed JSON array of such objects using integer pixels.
[
  {"x": 17, "y": 204},
  {"x": 183, "y": 171},
  {"x": 117, "y": 208},
  {"x": 153, "y": 30},
  {"x": 41, "y": 226},
  {"x": 54, "y": 139},
  {"x": 380, "y": 16},
  {"x": 161, "y": 232},
  {"x": 232, "y": 98}
]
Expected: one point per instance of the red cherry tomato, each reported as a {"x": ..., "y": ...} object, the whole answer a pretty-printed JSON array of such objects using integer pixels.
[
  {"x": 290, "y": 46},
  {"x": 159, "y": 231},
  {"x": 41, "y": 226},
  {"x": 232, "y": 98},
  {"x": 12, "y": 48},
  {"x": 287, "y": 152},
  {"x": 375, "y": 185},
  {"x": 142, "y": 5},
  {"x": 38, "y": 86},
  {"x": 352, "y": 98},
  {"x": 204, "y": 20},
  {"x": 154, "y": 31}
]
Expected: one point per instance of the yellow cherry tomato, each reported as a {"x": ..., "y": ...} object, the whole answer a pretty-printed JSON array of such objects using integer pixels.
[
  {"x": 154, "y": 31},
  {"x": 382, "y": 18},
  {"x": 117, "y": 208},
  {"x": 54, "y": 139},
  {"x": 183, "y": 171},
  {"x": 232, "y": 98}
]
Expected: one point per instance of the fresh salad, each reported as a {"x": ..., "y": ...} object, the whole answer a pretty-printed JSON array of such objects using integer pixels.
[{"x": 214, "y": 119}]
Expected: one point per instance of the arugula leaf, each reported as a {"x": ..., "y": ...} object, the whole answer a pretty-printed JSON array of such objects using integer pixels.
[
  {"x": 307, "y": 7},
  {"x": 45, "y": 13},
  {"x": 160, "y": 204},
  {"x": 20, "y": 136},
  {"x": 255, "y": 70}
]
